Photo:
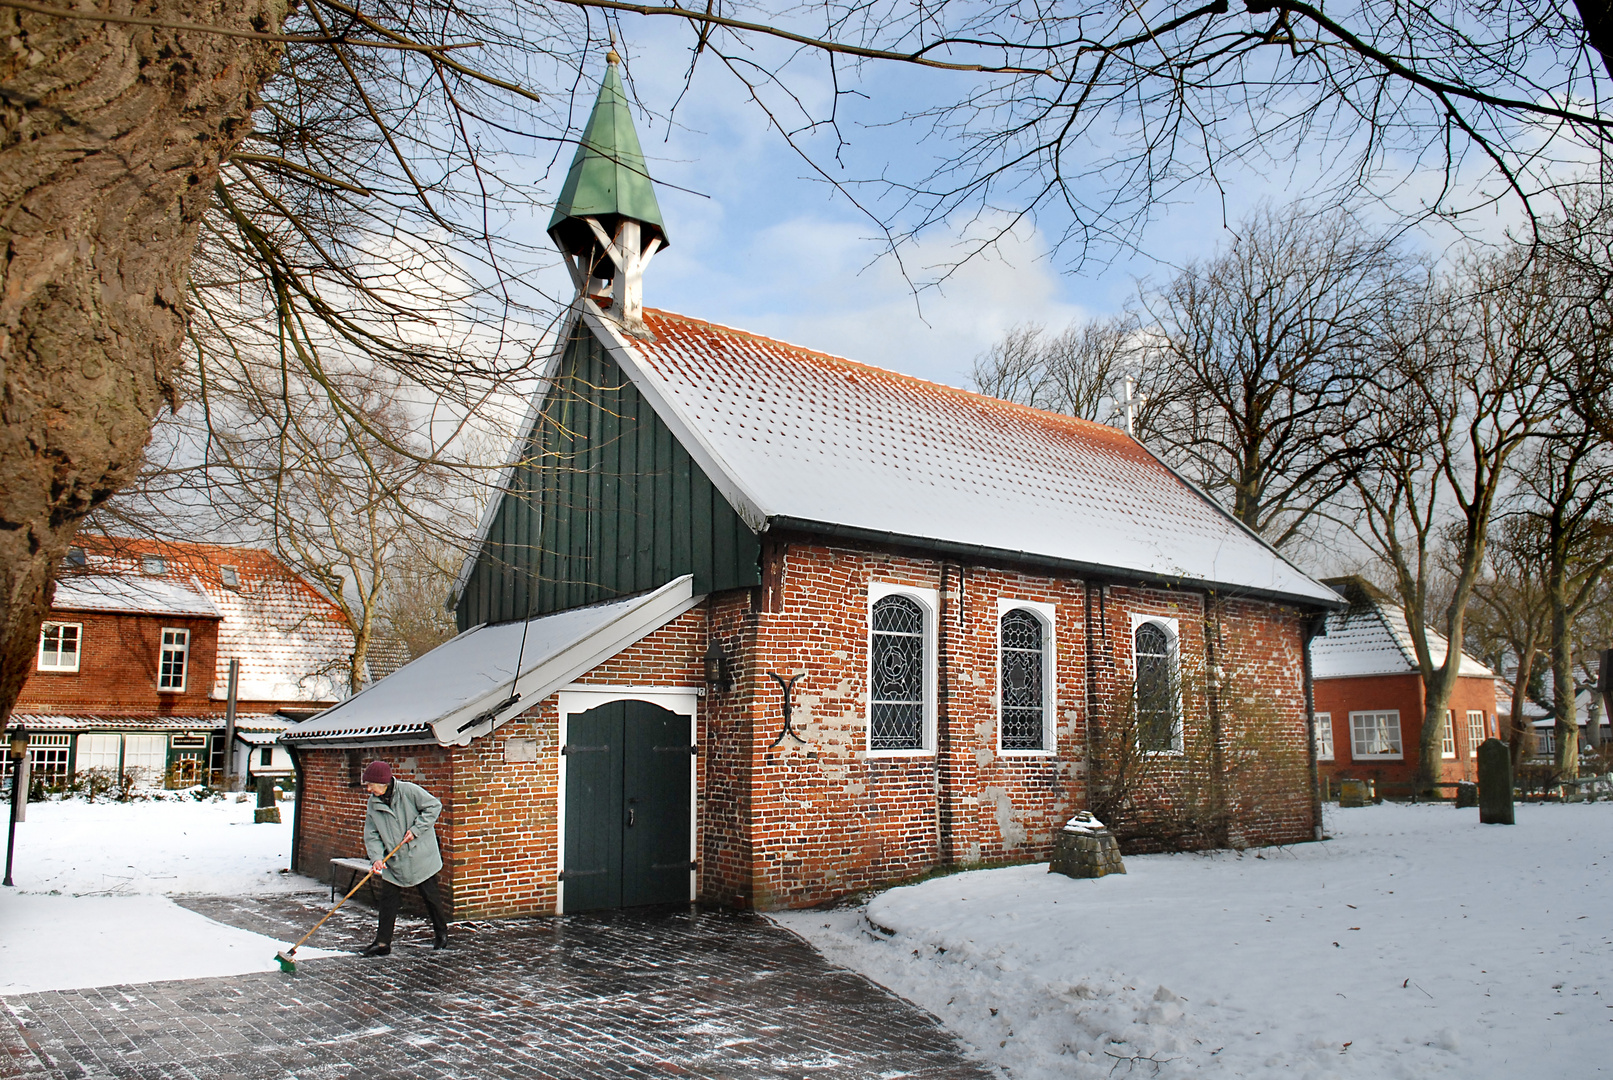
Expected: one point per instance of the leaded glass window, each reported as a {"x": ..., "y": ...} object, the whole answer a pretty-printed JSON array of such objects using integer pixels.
[
  {"x": 1156, "y": 689},
  {"x": 1022, "y": 682},
  {"x": 896, "y": 699}
]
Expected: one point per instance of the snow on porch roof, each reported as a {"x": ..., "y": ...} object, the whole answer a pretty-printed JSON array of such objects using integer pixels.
[
  {"x": 462, "y": 689},
  {"x": 795, "y": 438}
]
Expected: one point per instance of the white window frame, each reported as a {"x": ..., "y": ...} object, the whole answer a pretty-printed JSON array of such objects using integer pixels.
[
  {"x": 78, "y": 646},
  {"x": 1447, "y": 737},
  {"x": 184, "y": 659},
  {"x": 1324, "y": 725},
  {"x": 1400, "y": 736},
  {"x": 929, "y": 601},
  {"x": 1173, "y": 636},
  {"x": 1047, "y": 615},
  {"x": 1484, "y": 726}
]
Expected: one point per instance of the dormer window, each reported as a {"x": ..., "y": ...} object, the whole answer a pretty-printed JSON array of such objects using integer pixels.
[
  {"x": 155, "y": 565},
  {"x": 229, "y": 577},
  {"x": 76, "y": 557}
]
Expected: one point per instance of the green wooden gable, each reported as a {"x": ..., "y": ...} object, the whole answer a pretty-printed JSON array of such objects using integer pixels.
[{"x": 604, "y": 503}]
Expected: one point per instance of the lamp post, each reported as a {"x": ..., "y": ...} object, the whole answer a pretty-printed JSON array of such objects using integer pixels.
[{"x": 18, "y": 751}]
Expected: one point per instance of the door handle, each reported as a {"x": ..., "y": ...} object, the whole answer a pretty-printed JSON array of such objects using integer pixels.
[{"x": 629, "y": 817}]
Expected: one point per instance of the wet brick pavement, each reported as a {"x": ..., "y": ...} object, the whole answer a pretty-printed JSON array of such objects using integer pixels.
[{"x": 679, "y": 992}]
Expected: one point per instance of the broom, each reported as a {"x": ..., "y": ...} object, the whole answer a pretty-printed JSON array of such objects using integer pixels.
[{"x": 288, "y": 959}]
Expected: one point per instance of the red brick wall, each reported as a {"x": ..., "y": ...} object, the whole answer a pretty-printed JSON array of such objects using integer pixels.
[
  {"x": 1339, "y": 697},
  {"x": 798, "y": 823},
  {"x": 117, "y": 669}
]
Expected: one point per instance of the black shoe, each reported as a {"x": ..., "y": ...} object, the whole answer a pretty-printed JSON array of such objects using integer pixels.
[
  {"x": 377, "y": 948},
  {"x": 440, "y": 941}
]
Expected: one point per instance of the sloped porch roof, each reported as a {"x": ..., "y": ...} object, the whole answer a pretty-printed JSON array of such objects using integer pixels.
[{"x": 468, "y": 686}]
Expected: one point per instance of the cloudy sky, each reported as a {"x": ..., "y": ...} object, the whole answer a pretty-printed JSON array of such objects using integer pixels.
[{"x": 760, "y": 243}]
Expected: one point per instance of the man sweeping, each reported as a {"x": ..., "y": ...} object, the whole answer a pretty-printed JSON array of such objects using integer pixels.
[{"x": 401, "y": 813}]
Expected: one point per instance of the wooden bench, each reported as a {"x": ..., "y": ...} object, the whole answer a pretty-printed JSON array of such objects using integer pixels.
[{"x": 355, "y": 868}]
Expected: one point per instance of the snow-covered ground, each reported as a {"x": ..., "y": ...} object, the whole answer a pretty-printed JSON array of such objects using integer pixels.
[
  {"x": 1414, "y": 943},
  {"x": 91, "y": 906}
]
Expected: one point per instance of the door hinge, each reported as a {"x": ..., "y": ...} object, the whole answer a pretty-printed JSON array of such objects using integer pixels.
[
  {"x": 569, "y": 749},
  {"x": 693, "y": 864},
  {"x": 567, "y": 875},
  {"x": 679, "y": 749}
]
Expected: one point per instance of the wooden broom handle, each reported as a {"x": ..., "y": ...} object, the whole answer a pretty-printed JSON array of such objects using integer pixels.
[{"x": 345, "y": 899}]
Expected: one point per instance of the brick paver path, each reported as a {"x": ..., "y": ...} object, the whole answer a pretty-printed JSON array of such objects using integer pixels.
[{"x": 620, "y": 994}]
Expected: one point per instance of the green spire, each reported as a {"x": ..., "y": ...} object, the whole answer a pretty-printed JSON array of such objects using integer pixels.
[{"x": 608, "y": 178}]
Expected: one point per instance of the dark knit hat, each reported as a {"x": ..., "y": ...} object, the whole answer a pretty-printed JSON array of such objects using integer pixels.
[{"x": 377, "y": 772}]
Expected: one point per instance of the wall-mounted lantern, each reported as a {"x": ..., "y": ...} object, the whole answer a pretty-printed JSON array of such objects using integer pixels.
[{"x": 719, "y": 673}]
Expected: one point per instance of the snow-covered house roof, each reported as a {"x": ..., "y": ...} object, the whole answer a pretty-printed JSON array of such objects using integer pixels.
[
  {"x": 469, "y": 685},
  {"x": 800, "y": 439},
  {"x": 292, "y": 641},
  {"x": 97, "y": 721},
  {"x": 1372, "y": 637},
  {"x": 134, "y": 594}
]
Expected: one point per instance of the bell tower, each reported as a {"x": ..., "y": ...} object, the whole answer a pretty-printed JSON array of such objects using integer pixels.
[{"x": 606, "y": 221}]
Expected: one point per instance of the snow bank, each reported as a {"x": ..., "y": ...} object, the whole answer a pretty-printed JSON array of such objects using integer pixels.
[
  {"x": 68, "y": 942},
  {"x": 1415, "y": 943},
  {"x": 153, "y": 848},
  {"x": 89, "y": 909}
]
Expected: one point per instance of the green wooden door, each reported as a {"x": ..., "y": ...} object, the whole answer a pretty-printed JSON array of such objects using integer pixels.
[{"x": 627, "y": 807}]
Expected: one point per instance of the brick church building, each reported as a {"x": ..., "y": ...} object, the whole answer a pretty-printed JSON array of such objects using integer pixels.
[{"x": 755, "y": 625}]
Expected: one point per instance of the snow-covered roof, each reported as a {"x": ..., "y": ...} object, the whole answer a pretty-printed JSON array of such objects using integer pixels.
[
  {"x": 795, "y": 438},
  {"x": 292, "y": 641},
  {"x": 463, "y": 688},
  {"x": 134, "y": 594},
  {"x": 34, "y": 721},
  {"x": 1372, "y": 637}
]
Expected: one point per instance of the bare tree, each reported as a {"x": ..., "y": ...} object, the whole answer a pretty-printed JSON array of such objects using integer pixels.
[
  {"x": 1257, "y": 356},
  {"x": 1567, "y": 487},
  {"x": 1074, "y": 372},
  {"x": 1509, "y": 622},
  {"x": 1465, "y": 389}
]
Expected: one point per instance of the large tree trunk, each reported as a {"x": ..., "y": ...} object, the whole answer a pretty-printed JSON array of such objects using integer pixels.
[{"x": 110, "y": 141}]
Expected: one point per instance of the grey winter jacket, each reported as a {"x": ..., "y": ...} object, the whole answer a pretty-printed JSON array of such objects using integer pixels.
[{"x": 413, "y": 807}]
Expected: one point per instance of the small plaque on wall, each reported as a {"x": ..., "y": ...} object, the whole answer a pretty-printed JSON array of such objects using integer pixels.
[{"x": 520, "y": 749}]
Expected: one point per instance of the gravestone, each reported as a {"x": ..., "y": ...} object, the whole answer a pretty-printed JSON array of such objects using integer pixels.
[
  {"x": 1355, "y": 793},
  {"x": 1085, "y": 848},
  {"x": 1467, "y": 794},
  {"x": 267, "y": 812},
  {"x": 1495, "y": 783}
]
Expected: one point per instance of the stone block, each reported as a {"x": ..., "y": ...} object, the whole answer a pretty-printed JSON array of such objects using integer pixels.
[
  {"x": 1355, "y": 793},
  {"x": 266, "y": 815},
  {"x": 1467, "y": 794},
  {"x": 1085, "y": 848}
]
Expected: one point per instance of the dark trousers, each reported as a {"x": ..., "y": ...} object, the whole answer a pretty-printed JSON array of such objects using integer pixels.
[{"x": 392, "y": 900}]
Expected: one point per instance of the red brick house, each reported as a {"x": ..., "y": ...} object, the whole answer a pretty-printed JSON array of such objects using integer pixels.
[
  {"x": 756, "y": 625},
  {"x": 133, "y": 663},
  {"x": 1369, "y": 697}
]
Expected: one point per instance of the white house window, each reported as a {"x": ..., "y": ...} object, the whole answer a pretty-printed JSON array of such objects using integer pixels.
[
  {"x": 266, "y": 757},
  {"x": 1159, "y": 726},
  {"x": 228, "y": 576},
  {"x": 59, "y": 646},
  {"x": 1475, "y": 731},
  {"x": 1375, "y": 735},
  {"x": 1324, "y": 736},
  {"x": 154, "y": 565},
  {"x": 901, "y": 668},
  {"x": 171, "y": 664},
  {"x": 1025, "y": 675},
  {"x": 1447, "y": 736}
]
